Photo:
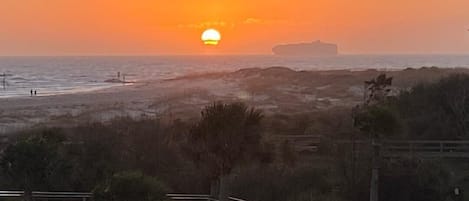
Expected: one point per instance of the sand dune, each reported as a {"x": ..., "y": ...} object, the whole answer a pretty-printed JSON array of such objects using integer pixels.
[{"x": 273, "y": 90}]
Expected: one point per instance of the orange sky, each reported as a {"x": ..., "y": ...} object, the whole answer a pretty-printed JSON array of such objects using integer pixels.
[{"x": 115, "y": 27}]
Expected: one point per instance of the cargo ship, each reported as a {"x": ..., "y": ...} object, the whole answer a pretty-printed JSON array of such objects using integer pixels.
[{"x": 316, "y": 48}]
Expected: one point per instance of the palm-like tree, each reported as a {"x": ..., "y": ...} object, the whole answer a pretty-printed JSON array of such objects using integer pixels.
[{"x": 226, "y": 136}]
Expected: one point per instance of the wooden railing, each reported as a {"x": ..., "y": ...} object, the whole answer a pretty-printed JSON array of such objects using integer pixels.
[
  {"x": 389, "y": 148},
  {"x": 301, "y": 143},
  {"x": 40, "y": 195},
  {"x": 235, "y": 199},
  {"x": 427, "y": 148},
  {"x": 421, "y": 148},
  {"x": 197, "y": 197}
]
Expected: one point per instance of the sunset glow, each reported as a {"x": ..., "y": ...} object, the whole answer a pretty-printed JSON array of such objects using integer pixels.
[{"x": 77, "y": 27}]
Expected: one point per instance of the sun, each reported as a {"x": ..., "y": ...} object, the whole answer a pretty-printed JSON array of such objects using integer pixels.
[{"x": 211, "y": 37}]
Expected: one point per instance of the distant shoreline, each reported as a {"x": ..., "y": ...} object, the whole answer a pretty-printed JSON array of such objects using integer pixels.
[
  {"x": 109, "y": 86},
  {"x": 274, "y": 90}
]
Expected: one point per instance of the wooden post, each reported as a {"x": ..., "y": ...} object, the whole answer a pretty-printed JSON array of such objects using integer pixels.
[
  {"x": 374, "y": 183},
  {"x": 353, "y": 167},
  {"x": 214, "y": 188},
  {"x": 28, "y": 195},
  {"x": 223, "y": 193}
]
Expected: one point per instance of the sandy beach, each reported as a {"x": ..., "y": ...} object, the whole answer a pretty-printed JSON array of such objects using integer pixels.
[{"x": 273, "y": 90}]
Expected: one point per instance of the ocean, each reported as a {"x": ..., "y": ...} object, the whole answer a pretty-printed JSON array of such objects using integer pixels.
[{"x": 63, "y": 75}]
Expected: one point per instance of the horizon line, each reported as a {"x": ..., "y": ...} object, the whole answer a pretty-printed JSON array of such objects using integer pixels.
[{"x": 229, "y": 54}]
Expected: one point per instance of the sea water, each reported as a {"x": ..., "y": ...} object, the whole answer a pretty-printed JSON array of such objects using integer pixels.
[{"x": 62, "y": 75}]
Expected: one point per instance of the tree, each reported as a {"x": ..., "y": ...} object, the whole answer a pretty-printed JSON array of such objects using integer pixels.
[
  {"x": 35, "y": 163},
  {"x": 378, "y": 121},
  {"x": 226, "y": 136},
  {"x": 377, "y": 89},
  {"x": 375, "y": 120}
]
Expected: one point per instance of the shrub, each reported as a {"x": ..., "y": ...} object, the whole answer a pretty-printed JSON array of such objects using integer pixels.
[{"x": 131, "y": 186}]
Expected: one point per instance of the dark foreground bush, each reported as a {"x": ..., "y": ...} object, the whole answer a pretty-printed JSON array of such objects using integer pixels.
[
  {"x": 414, "y": 180},
  {"x": 131, "y": 186},
  {"x": 277, "y": 184}
]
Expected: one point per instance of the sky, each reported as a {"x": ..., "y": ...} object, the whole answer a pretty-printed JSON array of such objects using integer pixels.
[{"x": 154, "y": 27}]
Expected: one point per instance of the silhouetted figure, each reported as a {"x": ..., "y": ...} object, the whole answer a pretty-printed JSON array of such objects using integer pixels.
[
  {"x": 31, "y": 92},
  {"x": 35, "y": 92}
]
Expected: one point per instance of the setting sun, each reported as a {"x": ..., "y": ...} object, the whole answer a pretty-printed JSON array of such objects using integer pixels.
[{"x": 211, "y": 37}]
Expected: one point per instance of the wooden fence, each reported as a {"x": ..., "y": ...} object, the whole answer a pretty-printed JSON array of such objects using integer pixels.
[
  {"x": 196, "y": 197},
  {"x": 389, "y": 148},
  {"x": 40, "y": 195}
]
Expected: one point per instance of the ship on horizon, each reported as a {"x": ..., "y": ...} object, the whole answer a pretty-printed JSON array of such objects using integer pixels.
[{"x": 316, "y": 48}]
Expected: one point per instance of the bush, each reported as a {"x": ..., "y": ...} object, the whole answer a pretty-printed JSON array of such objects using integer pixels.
[
  {"x": 276, "y": 184},
  {"x": 414, "y": 180},
  {"x": 131, "y": 186},
  {"x": 35, "y": 162},
  {"x": 437, "y": 110}
]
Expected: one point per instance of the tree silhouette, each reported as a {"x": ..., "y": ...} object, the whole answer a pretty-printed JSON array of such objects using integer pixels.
[
  {"x": 226, "y": 136},
  {"x": 377, "y": 89},
  {"x": 374, "y": 117},
  {"x": 375, "y": 120}
]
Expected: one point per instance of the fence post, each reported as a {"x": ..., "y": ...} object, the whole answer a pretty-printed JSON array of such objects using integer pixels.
[{"x": 374, "y": 183}]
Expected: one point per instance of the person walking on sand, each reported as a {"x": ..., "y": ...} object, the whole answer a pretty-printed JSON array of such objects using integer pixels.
[
  {"x": 35, "y": 92},
  {"x": 31, "y": 92}
]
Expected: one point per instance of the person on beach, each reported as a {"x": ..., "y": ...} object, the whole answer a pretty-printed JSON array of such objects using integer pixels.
[
  {"x": 31, "y": 92},
  {"x": 35, "y": 92}
]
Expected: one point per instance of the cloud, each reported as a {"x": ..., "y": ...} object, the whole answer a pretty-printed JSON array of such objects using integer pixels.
[
  {"x": 247, "y": 21},
  {"x": 252, "y": 21},
  {"x": 207, "y": 24}
]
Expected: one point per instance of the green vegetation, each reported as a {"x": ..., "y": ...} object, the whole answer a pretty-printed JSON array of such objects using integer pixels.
[
  {"x": 436, "y": 110},
  {"x": 124, "y": 186},
  {"x": 272, "y": 183},
  {"x": 35, "y": 163}
]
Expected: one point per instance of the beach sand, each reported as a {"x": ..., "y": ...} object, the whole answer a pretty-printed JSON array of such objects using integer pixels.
[{"x": 274, "y": 90}]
